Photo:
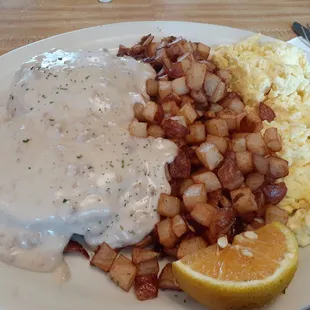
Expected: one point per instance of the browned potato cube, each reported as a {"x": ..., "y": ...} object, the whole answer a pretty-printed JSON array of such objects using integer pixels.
[
  {"x": 175, "y": 127},
  {"x": 175, "y": 49},
  {"x": 170, "y": 108},
  {"x": 256, "y": 144},
  {"x": 233, "y": 103},
  {"x": 166, "y": 279},
  {"x": 193, "y": 194},
  {"x": 278, "y": 167},
  {"x": 165, "y": 234},
  {"x": 214, "y": 87},
  {"x": 138, "y": 129},
  {"x": 179, "y": 86},
  {"x": 229, "y": 175},
  {"x": 239, "y": 143},
  {"x": 146, "y": 287},
  {"x": 179, "y": 226},
  {"x": 152, "y": 87},
  {"x": 273, "y": 140},
  {"x": 261, "y": 164},
  {"x": 155, "y": 131},
  {"x": 195, "y": 75},
  {"x": 164, "y": 89},
  {"x": 104, "y": 257},
  {"x": 203, "y": 50},
  {"x": 168, "y": 206},
  {"x": 221, "y": 224},
  {"x": 142, "y": 255},
  {"x": 209, "y": 179},
  {"x": 275, "y": 214},
  {"x": 217, "y": 127},
  {"x": 230, "y": 118},
  {"x": 181, "y": 167},
  {"x": 220, "y": 142},
  {"x": 219, "y": 93},
  {"x": 244, "y": 161},
  {"x": 189, "y": 113},
  {"x": 176, "y": 70},
  {"x": 186, "y": 61},
  {"x": 153, "y": 113},
  {"x": 209, "y": 155},
  {"x": 197, "y": 133},
  {"x": 148, "y": 267},
  {"x": 200, "y": 97},
  {"x": 123, "y": 272},
  {"x": 243, "y": 200},
  {"x": 254, "y": 181},
  {"x": 192, "y": 245},
  {"x": 211, "y": 83},
  {"x": 203, "y": 213},
  {"x": 251, "y": 123},
  {"x": 138, "y": 109}
]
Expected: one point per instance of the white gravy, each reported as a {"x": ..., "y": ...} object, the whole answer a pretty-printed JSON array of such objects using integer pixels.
[{"x": 68, "y": 163}]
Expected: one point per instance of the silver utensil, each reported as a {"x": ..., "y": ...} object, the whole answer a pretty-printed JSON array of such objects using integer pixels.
[{"x": 303, "y": 32}]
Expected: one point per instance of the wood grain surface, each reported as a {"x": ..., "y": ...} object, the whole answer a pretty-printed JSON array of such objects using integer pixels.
[{"x": 26, "y": 21}]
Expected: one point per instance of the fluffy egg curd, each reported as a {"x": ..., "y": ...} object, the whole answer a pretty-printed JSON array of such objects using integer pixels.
[{"x": 278, "y": 74}]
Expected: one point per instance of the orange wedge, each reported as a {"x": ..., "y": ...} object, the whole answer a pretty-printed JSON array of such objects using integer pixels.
[{"x": 248, "y": 274}]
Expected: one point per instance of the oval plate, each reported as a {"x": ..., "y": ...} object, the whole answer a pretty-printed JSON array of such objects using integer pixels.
[{"x": 89, "y": 288}]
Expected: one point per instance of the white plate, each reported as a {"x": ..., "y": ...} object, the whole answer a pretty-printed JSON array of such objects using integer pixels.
[{"x": 89, "y": 288}]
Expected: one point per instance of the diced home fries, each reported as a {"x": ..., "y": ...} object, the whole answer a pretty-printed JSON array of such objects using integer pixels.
[
  {"x": 123, "y": 272},
  {"x": 146, "y": 287},
  {"x": 104, "y": 257},
  {"x": 179, "y": 226},
  {"x": 166, "y": 236},
  {"x": 191, "y": 245},
  {"x": 226, "y": 178},
  {"x": 166, "y": 279},
  {"x": 148, "y": 267},
  {"x": 194, "y": 194},
  {"x": 168, "y": 206},
  {"x": 142, "y": 255}
]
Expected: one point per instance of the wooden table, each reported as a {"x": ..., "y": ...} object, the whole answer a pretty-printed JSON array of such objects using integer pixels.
[{"x": 25, "y": 21}]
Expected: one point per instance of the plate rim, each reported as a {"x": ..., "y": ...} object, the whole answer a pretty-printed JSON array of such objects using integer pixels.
[{"x": 127, "y": 23}]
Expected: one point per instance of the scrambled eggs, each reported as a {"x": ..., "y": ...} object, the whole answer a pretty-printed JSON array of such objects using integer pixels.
[{"x": 278, "y": 74}]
